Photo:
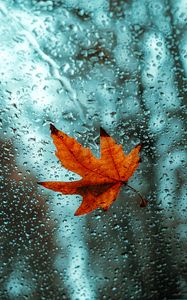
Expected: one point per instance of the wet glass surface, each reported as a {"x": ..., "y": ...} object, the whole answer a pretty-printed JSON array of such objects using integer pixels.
[{"x": 81, "y": 65}]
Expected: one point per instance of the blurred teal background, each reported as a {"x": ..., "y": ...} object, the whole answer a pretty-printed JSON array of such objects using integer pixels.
[{"x": 80, "y": 65}]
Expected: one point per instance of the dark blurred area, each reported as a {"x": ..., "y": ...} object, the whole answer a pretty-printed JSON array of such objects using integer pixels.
[{"x": 28, "y": 248}]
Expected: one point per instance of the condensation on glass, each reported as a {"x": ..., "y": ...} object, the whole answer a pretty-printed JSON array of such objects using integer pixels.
[{"x": 81, "y": 65}]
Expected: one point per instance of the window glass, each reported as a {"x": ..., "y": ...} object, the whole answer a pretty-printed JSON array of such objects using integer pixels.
[{"x": 82, "y": 65}]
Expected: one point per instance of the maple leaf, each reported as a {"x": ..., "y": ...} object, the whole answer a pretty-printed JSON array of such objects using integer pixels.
[{"x": 102, "y": 177}]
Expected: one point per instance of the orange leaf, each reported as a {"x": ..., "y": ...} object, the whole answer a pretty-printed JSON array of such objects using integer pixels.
[{"x": 102, "y": 177}]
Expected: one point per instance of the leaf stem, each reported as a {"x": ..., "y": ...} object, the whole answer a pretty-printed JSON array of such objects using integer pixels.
[{"x": 143, "y": 202}]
